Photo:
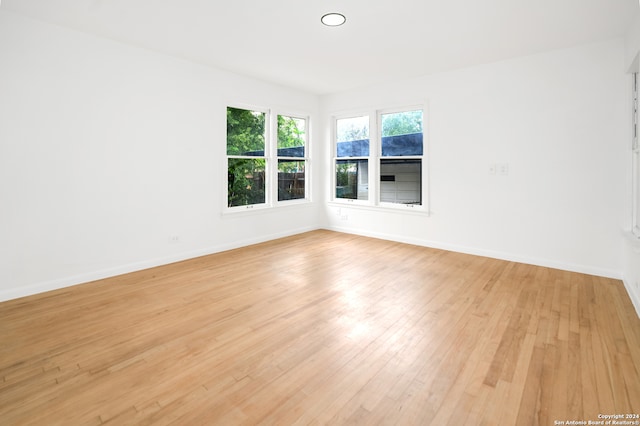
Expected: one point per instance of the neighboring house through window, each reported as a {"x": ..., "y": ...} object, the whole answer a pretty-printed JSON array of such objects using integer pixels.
[
  {"x": 384, "y": 167},
  {"x": 401, "y": 161},
  {"x": 352, "y": 162}
]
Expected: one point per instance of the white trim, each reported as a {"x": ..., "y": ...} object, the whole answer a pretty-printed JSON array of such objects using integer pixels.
[
  {"x": 635, "y": 157},
  {"x": 375, "y": 157},
  {"x": 87, "y": 277},
  {"x": 571, "y": 267},
  {"x": 291, "y": 204},
  {"x": 334, "y": 155},
  {"x": 635, "y": 298},
  {"x": 306, "y": 159},
  {"x": 226, "y": 157},
  {"x": 382, "y": 208},
  {"x": 65, "y": 282},
  {"x": 271, "y": 161},
  {"x": 635, "y": 188}
]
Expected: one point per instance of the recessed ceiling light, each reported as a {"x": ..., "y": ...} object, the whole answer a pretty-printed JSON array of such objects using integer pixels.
[{"x": 333, "y": 19}]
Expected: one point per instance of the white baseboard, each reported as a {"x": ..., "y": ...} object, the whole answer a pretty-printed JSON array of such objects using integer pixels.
[
  {"x": 583, "y": 269},
  {"x": 138, "y": 266},
  {"x": 64, "y": 282},
  {"x": 633, "y": 295}
]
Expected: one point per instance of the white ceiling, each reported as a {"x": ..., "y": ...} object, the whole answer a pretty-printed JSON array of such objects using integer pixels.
[{"x": 283, "y": 41}]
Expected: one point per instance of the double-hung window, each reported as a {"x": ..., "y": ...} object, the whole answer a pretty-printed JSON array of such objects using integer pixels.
[
  {"x": 383, "y": 167},
  {"x": 246, "y": 160},
  {"x": 265, "y": 168},
  {"x": 291, "y": 154},
  {"x": 352, "y": 158},
  {"x": 402, "y": 148}
]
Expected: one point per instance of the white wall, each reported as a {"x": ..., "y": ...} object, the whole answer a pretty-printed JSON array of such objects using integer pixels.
[
  {"x": 107, "y": 150},
  {"x": 559, "y": 121},
  {"x": 631, "y": 266},
  {"x": 632, "y": 46}
]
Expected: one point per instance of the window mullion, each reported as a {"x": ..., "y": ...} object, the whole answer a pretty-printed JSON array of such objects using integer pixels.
[
  {"x": 374, "y": 159},
  {"x": 272, "y": 157}
]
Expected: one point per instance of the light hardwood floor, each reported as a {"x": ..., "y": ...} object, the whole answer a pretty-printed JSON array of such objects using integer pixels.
[{"x": 323, "y": 328}]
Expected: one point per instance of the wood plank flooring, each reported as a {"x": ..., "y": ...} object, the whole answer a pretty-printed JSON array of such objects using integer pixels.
[{"x": 323, "y": 328}]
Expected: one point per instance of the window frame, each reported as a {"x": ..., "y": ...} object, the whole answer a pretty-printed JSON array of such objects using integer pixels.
[
  {"x": 635, "y": 155},
  {"x": 375, "y": 158},
  {"x": 267, "y": 131},
  {"x": 271, "y": 160},
  {"x": 335, "y": 158},
  {"x": 420, "y": 157},
  {"x": 305, "y": 159}
]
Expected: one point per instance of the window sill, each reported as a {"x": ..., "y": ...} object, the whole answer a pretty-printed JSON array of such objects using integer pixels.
[
  {"x": 265, "y": 208},
  {"x": 386, "y": 208}
]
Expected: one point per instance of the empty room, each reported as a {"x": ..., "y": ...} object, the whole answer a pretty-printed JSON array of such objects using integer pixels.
[{"x": 416, "y": 212}]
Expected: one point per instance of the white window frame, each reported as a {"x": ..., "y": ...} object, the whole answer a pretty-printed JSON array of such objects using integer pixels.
[
  {"x": 335, "y": 158},
  {"x": 271, "y": 161},
  {"x": 374, "y": 159},
  {"x": 423, "y": 181},
  {"x": 306, "y": 159},
  {"x": 635, "y": 156},
  {"x": 267, "y": 174}
]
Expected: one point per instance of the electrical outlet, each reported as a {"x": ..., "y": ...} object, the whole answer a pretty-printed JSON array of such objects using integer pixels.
[
  {"x": 174, "y": 239},
  {"x": 503, "y": 169}
]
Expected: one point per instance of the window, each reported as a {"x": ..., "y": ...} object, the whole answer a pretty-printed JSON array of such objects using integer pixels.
[
  {"x": 401, "y": 162},
  {"x": 292, "y": 140},
  {"x": 352, "y": 158},
  {"x": 246, "y": 161},
  {"x": 260, "y": 173},
  {"x": 388, "y": 164}
]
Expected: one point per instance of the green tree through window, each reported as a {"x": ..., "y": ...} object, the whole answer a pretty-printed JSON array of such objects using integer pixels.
[
  {"x": 266, "y": 158},
  {"x": 246, "y": 163},
  {"x": 291, "y": 157}
]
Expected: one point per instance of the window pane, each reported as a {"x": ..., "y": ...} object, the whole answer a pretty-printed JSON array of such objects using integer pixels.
[
  {"x": 352, "y": 137},
  {"x": 352, "y": 179},
  {"x": 291, "y": 136},
  {"x": 290, "y": 179},
  {"x": 246, "y": 179},
  {"x": 245, "y": 132},
  {"x": 402, "y": 133},
  {"x": 401, "y": 181}
]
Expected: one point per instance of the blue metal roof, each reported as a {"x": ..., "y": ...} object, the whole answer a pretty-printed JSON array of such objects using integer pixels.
[{"x": 392, "y": 146}]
